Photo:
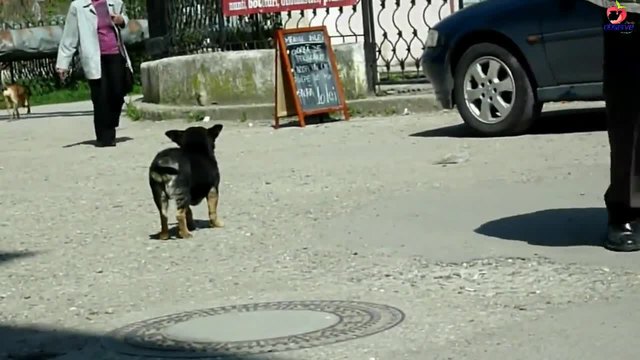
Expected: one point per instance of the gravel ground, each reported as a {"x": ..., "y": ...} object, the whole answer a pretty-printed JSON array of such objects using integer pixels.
[{"x": 78, "y": 257}]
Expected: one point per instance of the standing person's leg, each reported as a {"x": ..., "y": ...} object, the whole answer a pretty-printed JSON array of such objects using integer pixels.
[
  {"x": 114, "y": 66},
  {"x": 100, "y": 111},
  {"x": 623, "y": 119},
  {"x": 118, "y": 91}
]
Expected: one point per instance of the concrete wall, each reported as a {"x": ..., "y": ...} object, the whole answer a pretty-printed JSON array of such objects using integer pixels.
[{"x": 235, "y": 77}]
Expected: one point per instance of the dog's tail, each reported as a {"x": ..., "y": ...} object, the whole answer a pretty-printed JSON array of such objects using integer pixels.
[
  {"x": 165, "y": 166},
  {"x": 162, "y": 174},
  {"x": 163, "y": 170}
]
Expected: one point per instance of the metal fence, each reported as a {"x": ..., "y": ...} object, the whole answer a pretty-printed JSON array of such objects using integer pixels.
[
  {"x": 393, "y": 31},
  {"x": 197, "y": 26}
]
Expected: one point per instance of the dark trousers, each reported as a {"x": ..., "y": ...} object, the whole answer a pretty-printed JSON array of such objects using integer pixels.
[
  {"x": 107, "y": 96},
  {"x": 620, "y": 84}
]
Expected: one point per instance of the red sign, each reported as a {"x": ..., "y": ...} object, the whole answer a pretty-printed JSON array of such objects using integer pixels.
[{"x": 246, "y": 7}]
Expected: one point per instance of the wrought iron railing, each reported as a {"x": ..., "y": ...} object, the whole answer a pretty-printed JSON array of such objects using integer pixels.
[
  {"x": 197, "y": 26},
  {"x": 396, "y": 30},
  {"x": 393, "y": 32},
  {"x": 401, "y": 29}
]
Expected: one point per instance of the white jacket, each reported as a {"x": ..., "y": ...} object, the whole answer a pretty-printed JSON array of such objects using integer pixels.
[{"x": 81, "y": 33}]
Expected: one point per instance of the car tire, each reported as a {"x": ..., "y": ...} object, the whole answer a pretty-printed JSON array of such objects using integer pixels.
[{"x": 524, "y": 109}]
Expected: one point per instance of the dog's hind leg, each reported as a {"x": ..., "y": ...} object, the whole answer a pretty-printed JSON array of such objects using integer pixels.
[
  {"x": 191, "y": 225},
  {"x": 182, "y": 204},
  {"x": 28, "y": 105},
  {"x": 164, "y": 219},
  {"x": 212, "y": 203},
  {"x": 161, "y": 200},
  {"x": 183, "y": 230}
]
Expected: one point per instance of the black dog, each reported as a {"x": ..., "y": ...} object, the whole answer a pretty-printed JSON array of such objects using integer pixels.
[{"x": 187, "y": 174}]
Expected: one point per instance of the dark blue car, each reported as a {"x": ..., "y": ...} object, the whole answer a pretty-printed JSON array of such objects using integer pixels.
[{"x": 498, "y": 61}]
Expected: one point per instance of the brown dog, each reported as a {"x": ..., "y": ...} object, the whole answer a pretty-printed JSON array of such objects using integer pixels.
[{"x": 16, "y": 96}]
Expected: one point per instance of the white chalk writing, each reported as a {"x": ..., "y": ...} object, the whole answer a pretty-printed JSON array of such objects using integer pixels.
[{"x": 308, "y": 38}]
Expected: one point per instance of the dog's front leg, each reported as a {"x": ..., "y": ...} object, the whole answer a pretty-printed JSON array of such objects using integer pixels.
[
  {"x": 212, "y": 203},
  {"x": 183, "y": 230}
]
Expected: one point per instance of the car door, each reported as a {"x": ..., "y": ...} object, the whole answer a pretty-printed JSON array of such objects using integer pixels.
[{"x": 572, "y": 37}]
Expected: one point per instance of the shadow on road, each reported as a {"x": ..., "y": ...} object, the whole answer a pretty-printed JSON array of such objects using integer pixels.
[
  {"x": 42, "y": 343},
  {"x": 93, "y": 142},
  {"x": 15, "y": 255},
  {"x": 24, "y": 116},
  {"x": 553, "y": 227},
  {"x": 571, "y": 121},
  {"x": 552, "y": 122}
]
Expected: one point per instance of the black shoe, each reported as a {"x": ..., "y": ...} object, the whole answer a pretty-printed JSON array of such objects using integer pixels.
[{"x": 624, "y": 237}]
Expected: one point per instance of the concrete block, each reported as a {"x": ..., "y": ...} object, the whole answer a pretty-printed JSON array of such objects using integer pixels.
[{"x": 236, "y": 77}]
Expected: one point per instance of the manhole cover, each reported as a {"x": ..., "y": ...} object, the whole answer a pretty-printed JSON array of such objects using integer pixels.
[{"x": 251, "y": 329}]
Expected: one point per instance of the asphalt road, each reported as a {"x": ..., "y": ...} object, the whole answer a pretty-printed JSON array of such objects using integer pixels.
[{"x": 495, "y": 255}]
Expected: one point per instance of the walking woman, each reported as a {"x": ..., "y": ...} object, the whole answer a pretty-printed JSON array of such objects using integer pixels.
[{"x": 93, "y": 27}]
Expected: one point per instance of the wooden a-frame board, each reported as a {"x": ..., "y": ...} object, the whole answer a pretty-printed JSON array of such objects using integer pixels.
[{"x": 287, "y": 102}]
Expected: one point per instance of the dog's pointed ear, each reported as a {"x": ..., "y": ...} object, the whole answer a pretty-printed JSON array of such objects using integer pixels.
[
  {"x": 215, "y": 130},
  {"x": 175, "y": 136}
]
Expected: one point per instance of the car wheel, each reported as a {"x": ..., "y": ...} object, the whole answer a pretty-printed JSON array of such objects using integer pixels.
[{"x": 492, "y": 91}]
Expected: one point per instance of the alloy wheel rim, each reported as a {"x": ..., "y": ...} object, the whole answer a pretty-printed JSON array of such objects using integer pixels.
[{"x": 489, "y": 89}]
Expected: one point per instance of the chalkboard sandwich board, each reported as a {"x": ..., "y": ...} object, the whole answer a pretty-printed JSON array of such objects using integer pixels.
[{"x": 307, "y": 78}]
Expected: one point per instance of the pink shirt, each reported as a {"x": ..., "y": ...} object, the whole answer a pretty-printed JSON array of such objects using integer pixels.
[{"x": 106, "y": 32}]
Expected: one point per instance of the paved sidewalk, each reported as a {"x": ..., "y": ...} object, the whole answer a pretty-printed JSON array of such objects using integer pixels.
[{"x": 491, "y": 257}]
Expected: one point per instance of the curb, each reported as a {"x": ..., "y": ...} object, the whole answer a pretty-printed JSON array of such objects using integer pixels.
[{"x": 369, "y": 107}]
